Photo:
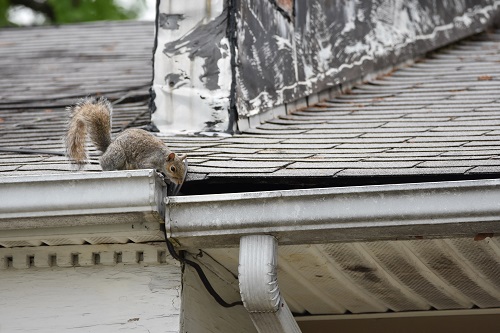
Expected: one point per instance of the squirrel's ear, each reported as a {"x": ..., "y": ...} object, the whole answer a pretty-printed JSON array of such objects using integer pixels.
[
  {"x": 171, "y": 156},
  {"x": 183, "y": 157}
]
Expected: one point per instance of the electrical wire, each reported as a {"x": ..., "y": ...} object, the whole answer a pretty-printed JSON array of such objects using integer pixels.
[
  {"x": 200, "y": 272},
  {"x": 170, "y": 246}
]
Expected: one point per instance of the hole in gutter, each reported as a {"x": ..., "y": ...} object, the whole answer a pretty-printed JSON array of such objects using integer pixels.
[
  {"x": 139, "y": 256},
  {"x": 96, "y": 258},
  {"x": 118, "y": 257},
  {"x": 75, "y": 259},
  {"x": 9, "y": 261},
  {"x": 52, "y": 260},
  {"x": 31, "y": 261},
  {"x": 162, "y": 257}
]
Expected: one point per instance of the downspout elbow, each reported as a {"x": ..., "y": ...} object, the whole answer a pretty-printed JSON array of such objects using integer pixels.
[
  {"x": 257, "y": 273},
  {"x": 259, "y": 287}
]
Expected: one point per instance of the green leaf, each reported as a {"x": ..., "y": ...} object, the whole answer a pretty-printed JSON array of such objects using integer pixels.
[{"x": 72, "y": 11}]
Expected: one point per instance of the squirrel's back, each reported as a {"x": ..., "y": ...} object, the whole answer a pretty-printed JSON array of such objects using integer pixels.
[{"x": 92, "y": 116}]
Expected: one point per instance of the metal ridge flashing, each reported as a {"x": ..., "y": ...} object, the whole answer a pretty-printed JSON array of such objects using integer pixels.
[
  {"x": 120, "y": 204},
  {"x": 358, "y": 213}
]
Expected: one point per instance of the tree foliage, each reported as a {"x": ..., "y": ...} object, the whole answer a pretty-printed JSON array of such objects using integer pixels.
[{"x": 71, "y": 11}]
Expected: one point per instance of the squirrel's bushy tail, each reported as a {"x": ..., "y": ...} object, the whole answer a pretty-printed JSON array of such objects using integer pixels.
[{"x": 88, "y": 115}]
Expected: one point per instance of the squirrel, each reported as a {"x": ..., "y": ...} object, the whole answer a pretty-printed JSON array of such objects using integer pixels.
[{"x": 132, "y": 149}]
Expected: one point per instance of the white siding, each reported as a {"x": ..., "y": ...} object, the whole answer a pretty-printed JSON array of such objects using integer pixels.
[
  {"x": 201, "y": 313},
  {"x": 105, "y": 298}
]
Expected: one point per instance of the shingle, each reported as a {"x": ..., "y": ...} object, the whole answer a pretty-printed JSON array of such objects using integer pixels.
[
  {"x": 220, "y": 171},
  {"x": 462, "y": 128},
  {"x": 370, "y": 107},
  {"x": 423, "y": 134},
  {"x": 294, "y": 146},
  {"x": 338, "y": 150},
  {"x": 295, "y": 121},
  {"x": 331, "y": 117},
  {"x": 405, "y": 123},
  {"x": 262, "y": 156},
  {"x": 304, "y": 173},
  {"x": 401, "y": 172},
  {"x": 314, "y": 112},
  {"x": 194, "y": 176},
  {"x": 459, "y": 163},
  {"x": 351, "y": 165},
  {"x": 485, "y": 170},
  {"x": 464, "y": 113},
  {"x": 411, "y": 155},
  {"x": 380, "y": 130},
  {"x": 259, "y": 131},
  {"x": 478, "y": 143},
  {"x": 243, "y": 164},
  {"x": 190, "y": 139},
  {"x": 455, "y": 138},
  {"x": 196, "y": 160},
  {"x": 21, "y": 159},
  {"x": 471, "y": 157},
  {"x": 5, "y": 168},
  {"x": 324, "y": 125},
  {"x": 411, "y": 145},
  {"x": 250, "y": 140},
  {"x": 329, "y": 140},
  {"x": 491, "y": 108},
  {"x": 307, "y": 135},
  {"x": 329, "y": 158},
  {"x": 339, "y": 154},
  {"x": 57, "y": 166},
  {"x": 475, "y": 152},
  {"x": 229, "y": 149}
]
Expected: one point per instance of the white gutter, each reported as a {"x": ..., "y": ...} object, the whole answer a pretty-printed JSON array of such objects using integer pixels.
[
  {"x": 259, "y": 220},
  {"x": 81, "y": 207},
  {"x": 377, "y": 212},
  {"x": 260, "y": 293}
]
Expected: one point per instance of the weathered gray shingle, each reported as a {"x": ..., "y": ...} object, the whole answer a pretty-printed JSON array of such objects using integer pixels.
[{"x": 436, "y": 118}]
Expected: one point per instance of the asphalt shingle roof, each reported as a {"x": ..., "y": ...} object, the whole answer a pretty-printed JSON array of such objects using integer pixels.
[
  {"x": 437, "y": 119},
  {"x": 44, "y": 69}
]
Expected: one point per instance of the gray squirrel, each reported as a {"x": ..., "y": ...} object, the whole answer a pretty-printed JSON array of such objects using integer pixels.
[{"x": 132, "y": 149}]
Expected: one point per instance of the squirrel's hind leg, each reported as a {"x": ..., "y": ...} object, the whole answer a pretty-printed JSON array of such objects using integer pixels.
[{"x": 114, "y": 158}]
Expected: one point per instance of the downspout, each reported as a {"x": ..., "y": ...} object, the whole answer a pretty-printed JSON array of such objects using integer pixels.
[{"x": 259, "y": 287}]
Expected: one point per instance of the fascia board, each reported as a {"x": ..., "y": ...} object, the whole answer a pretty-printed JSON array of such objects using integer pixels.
[
  {"x": 63, "y": 205},
  {"x": 359, "y": 213}
]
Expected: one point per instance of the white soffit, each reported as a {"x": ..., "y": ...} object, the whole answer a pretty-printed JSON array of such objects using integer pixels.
[
  {"x": 78, "y": 208},
  {"x": 385, "y": 276}
]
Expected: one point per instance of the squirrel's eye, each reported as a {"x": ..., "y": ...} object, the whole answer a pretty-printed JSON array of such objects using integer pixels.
[{"x": 172, "y": 168}]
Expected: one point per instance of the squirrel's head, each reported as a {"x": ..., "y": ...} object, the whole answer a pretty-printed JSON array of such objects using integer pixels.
[{"x": 175, "y": 169}]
